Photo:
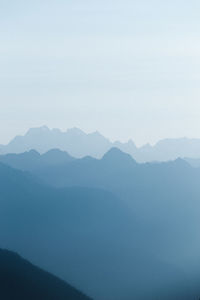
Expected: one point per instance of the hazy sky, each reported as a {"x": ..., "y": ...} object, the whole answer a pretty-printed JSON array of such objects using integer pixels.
[{"x": 130, "y": 69}]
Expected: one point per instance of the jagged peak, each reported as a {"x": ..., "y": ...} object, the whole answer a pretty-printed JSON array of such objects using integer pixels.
[
  {"x": 96, "y": 133},
  {"x": 75, "y": 130},
  {"x": 115, "y": 154},
  {"x": 56, "y": 151},
  {"x": 41, "y": 129}
]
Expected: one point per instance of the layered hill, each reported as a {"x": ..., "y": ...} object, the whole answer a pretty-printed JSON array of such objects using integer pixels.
[
  {"x": 86, "y": 236},
  {"x": 164, "y": 197},
  {"x": 33, "y": 160}
]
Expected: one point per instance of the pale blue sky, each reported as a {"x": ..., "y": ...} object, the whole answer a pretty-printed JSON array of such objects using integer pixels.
[{"x": 130, "y": 69}]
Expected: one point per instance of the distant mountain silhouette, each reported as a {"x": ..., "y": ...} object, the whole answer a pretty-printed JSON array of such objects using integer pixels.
[
  {"x": 171, "y": 149},
  {"x": 20, "y": 280},
  {"x": 116, "y": 156},
  {"x": 87, "y": 236},
  {"x": 33, "y": 160},
  {"x": 74, "y": 141},
  {"x": 79, "y": 144}
]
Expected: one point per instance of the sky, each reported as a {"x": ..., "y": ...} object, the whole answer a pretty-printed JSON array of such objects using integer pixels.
[{"x": 129, "y": 69}]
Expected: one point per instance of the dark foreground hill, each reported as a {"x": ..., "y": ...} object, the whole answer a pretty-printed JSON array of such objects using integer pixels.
[{"x": 20, "y": 280}]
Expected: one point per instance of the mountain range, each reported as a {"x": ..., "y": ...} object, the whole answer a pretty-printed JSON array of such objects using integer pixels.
[
  {"x": 105, "y": 225},
  {"x": 155, "y": 192},
  {"x": 95, "y": 239},
  {"x": 109, "y": 226},
  {"x": 79, "y": 144}
]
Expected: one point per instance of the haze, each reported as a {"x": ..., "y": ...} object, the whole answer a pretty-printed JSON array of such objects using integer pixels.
[{"x": 129, "y": 69}]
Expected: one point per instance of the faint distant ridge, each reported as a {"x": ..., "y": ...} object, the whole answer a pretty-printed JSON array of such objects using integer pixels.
[
  {"x": 74, "y": 141},
  {"x": 79, "y": 144}
]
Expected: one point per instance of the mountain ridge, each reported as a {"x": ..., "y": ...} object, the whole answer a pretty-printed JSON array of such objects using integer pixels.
[
  {"x": 30, "y": 160},
  {"x": 79, "y": 144}
]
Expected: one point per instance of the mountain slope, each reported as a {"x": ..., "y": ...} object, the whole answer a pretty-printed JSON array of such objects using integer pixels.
[
  {"x": 19, "y": 280},
  {"x": 163, "y": 196},
  {"x": 87, "y": 237}
]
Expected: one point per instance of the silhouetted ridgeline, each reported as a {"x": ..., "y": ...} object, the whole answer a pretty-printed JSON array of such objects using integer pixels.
[
  {"x": 79, "y": 144},
  {"x": 32, "y": 160},
  {"x": 20, "y": 280}
]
